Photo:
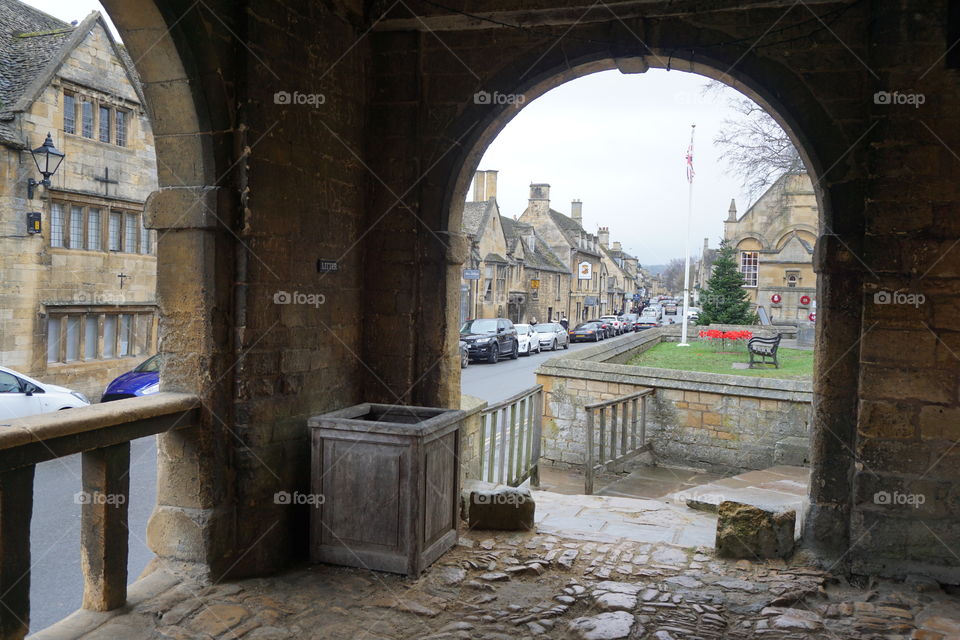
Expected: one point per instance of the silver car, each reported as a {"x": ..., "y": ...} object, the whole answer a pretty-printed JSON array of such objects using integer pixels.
[{"x": 552, "y": 336}]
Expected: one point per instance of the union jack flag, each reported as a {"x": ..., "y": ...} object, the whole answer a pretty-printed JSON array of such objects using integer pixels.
[{"x": 690, "y": 172}]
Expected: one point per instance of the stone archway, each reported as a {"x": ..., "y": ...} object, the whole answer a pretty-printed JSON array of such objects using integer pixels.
[
  {"x": 190, "y": 520},
  {"x": 831, "y": 492}
]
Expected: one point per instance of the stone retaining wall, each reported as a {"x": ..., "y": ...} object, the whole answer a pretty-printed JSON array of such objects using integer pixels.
[{"x": 716, "y": 422}]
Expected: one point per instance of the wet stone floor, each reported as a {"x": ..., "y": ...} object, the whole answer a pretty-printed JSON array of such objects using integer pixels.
[{"x": 500, "y": 586}]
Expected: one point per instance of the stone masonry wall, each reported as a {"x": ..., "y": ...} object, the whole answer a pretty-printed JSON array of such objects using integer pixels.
[{"x": 718, "y": 423}]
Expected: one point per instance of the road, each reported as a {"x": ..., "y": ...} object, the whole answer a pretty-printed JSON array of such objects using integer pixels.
[
  {"x": 56, "y": 587},
  {"x": 496, "y": 382}
]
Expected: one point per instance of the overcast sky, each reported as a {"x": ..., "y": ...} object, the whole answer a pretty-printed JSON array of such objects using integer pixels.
[{"x": 617, "y": 142}]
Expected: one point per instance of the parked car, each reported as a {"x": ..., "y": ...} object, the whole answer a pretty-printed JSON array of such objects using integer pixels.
[
  {"x": 606, "y": 330},
  {"x": 22, "y": 396},
  {"x": 143, "y": 380},
  {"x": 586, "y": 332},
  {"x": 552, "y": 336},
  {"x": 528, "y": 339},
  {"x": 649, "y": 318},
  {"x": 615, "y": 324},
  {"x": 632, "y": 320},
  {"x": 464, "y": 355},
  {"x": 489, "y": 338}
]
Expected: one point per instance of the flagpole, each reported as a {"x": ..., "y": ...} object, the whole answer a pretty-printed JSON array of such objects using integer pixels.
[{"x": 686, "y": 261}]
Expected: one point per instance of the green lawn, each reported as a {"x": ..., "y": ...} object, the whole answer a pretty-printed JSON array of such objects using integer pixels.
[{"x": 795, "y": 364}]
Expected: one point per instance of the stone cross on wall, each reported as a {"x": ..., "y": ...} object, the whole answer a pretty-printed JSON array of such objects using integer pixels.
[{"x": 105, "y": 179}]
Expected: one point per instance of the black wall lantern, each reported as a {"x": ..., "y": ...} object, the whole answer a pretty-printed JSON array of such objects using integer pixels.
[{"x": 47, "y": 159}]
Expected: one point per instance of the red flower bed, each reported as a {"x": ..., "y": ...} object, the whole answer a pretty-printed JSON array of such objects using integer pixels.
[{"x": 714, "y": 335}]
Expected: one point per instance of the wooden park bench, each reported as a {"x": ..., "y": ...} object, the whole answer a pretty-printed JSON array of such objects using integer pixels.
[{"x": 764, "y": 351}]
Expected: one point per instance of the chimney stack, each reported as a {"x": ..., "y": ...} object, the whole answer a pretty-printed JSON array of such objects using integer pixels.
[
  {"x": 732, "y": 211},
  {"x": 603, "y": 235},
  {"x": 539, "y": 203},
  {"x": 576, "y": 211},
  {"x": 484, "y": 185},
  {"x": 617, "y": 246}
]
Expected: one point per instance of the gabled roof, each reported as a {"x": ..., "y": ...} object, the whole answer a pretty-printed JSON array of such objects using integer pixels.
[
  {"x": 569, "y": 226},
  {"x": 542, "y": 257},
  {"x": 33, "y": 46},
  {"x": 476, "y": 214}
]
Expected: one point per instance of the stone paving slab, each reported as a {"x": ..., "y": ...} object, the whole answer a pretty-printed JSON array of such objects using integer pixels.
[{"x": 503, "y": 586}]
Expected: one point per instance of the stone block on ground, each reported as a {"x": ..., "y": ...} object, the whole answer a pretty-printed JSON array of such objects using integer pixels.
[
  {"x": 606, "y": 626},
  {"x": 746, "y": 531},
  {"x": 501, "y": 508},
  {"x": 793, "y": 451}
]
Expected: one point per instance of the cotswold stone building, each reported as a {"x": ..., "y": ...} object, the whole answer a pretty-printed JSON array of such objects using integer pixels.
[
  {"x": 774, "y": 241},
  {"x": 579, "y": 249},
  {"x": 520, "y": 278},
  {"x": 77, "y": 303},
  {"x": 259, "y": 195}
]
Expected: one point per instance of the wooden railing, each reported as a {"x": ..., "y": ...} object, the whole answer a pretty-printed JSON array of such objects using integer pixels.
[
  {"x": 101, "y": 434},
  {"x": 510, "y": 439},
  {"x": 620, "y": 439}
]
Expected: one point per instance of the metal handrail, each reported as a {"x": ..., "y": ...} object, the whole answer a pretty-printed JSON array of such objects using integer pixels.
[{"x": 630, "y": 443}]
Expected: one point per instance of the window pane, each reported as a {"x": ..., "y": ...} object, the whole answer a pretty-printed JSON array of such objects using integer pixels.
[
  {"x": 125, "y": 333},
  {"x": 114, "y": 232},
  {"x": 93, "y": 229},
  {"x": 69, "y": 113},
  {"x": 130, "y": 229},
  {"x": 73, "y": 338},
  {"x": 90, "y": 332},
  {"x": 104, "y": 124},
  {"x": 121, "y": 125},
  {"x": 87, "y": 119},
  {"x": 144, "y": 238},
  {"x": 56, "y": 225},
  {"x": 76, "y": 227},
  {"x": 109, "y": 336},
  {"x": 53, "y": 338}
]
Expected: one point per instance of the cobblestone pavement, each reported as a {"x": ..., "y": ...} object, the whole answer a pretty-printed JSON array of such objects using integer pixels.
[{"x": 533, "y": 585}]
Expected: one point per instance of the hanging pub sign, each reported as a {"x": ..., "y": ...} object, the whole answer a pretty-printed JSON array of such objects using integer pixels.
[
  {"x": 584, "y": 271},
  {"x": 534, "y": 284}
]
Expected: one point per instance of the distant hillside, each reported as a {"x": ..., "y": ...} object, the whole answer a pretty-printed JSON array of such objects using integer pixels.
[{"x": 656, "y": 269}]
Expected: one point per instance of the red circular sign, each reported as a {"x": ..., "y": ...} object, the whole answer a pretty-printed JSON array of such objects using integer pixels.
[
  {"x": 775, "y": 298},
  {"x": 804, "y": 299},
  {"x": 813, "y": 317}
]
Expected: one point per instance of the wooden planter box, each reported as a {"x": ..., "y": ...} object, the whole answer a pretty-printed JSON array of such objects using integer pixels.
[{"x": 389, "y": 477}]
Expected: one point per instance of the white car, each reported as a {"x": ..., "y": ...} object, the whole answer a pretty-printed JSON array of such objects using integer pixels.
[
  {"x": 528, "y": 338},
  {"x": 22, "y": 396},
  {"x": 613, "y": 321},
  {"x": 553, "y": 336}
]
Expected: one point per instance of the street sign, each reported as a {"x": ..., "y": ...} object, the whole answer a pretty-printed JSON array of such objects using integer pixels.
[
  {"x": 584, "y": 271},
  {"x": 471, "y": 274},
  {"x": 534, "y": 284}
]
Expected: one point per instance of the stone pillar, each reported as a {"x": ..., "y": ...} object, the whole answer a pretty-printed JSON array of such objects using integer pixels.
[{"x": 104, "y": 532}]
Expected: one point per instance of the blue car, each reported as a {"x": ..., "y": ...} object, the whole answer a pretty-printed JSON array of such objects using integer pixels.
[{"x": 142, "y": 381}]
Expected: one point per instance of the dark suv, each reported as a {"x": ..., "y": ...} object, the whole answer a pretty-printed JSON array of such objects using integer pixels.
[{"x": 489, "y": 338}]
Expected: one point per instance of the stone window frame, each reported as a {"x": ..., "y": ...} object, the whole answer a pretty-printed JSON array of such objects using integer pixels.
[
  {"x": 141, "y": 333},
  {"x": 69, "y": 112},
  {"x": 120, "y": 113},
  {"x": 750, "y": 268},
  {"x": 106, "y": 210}
]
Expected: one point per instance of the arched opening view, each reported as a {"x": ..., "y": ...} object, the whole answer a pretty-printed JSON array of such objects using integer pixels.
[{"x": 464, "y": 330}]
